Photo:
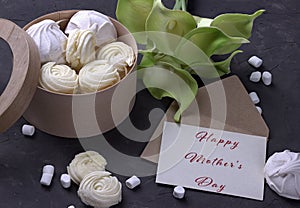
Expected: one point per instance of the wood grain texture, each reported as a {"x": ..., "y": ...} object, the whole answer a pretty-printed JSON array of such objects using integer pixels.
[{"x": 24, "y": 77}]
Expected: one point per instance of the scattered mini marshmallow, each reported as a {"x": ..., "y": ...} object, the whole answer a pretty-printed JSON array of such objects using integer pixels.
[
  {"x": 71, "y": 206},
  {"x": 254, "y": 97},
  {"x": 65, "y": 181},
  {"x": 259, "y": 109},
  {"x": 28, "y": 130},
  {"x": 48, "y": 169},
  {"x": 255, "y": 76},
  {"x": 178, "y": 192},
  {"x": 133, "y": 182},
  {"x": 255, "y": 61},
  {"x": 48, "y": 172},
  {"x": 267, "y": 78},
  {"x": 46, "y": 179}
]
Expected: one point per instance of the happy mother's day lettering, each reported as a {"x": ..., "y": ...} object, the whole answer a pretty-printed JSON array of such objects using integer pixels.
[{"x": 194, "y": 157}]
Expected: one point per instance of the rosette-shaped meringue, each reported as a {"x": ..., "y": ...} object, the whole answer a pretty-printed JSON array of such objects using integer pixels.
[
  {"x": 117, "y": 52},
  {"x": 50, "y": 40},
  {"x": 99, "y": 23},
  {"x": 85, "y": 163},
  {"x": 97, "y": 75},
  {"x": 100, "y": 190},
  {"x": 58, "y": 78},
  {"x": 282, "y": 173},
  {"x": 80, "y": 48}
]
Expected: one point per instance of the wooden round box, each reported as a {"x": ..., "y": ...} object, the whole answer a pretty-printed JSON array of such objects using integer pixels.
[{"x": 63, "y": 115}]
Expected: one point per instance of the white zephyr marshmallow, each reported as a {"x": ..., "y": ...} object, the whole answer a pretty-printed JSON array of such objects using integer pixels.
[
  {"x": 28, "y": 130},
  {"x": 282, "y": 173},
  {"x": 48, "y": 172},
  {"x": 178, "y": 192},
  {"x": 65, "y": 181},
  {"x": 255, "y": 76},
  {"x": 267, "y": 78},
  {"x": 99, "y": 23},
  {"x": 133, "y": 182},
  {"x": 50, "y": 40},
  {"x": 255, "y": 61},
  {"x": 259, "y": 109},
  {"x": 254, "y": 97}
]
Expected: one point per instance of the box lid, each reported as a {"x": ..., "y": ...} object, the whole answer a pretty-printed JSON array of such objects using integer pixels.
[{"x": 24, "y": 76}]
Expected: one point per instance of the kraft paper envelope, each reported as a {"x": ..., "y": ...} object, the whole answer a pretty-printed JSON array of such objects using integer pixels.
[{"x": 223, "y": 105}]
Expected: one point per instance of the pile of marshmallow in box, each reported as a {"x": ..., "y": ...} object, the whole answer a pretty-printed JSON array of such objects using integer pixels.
[{"x": 84, "y": 58}]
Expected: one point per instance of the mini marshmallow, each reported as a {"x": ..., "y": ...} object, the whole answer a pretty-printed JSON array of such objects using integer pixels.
[
  {"x": 255, "y": 76},
  {"x": 255, "y": 61},
  {"x": 267, "y": 78},
  {"x": 48, "y": 172},
  {"x": 259, "y": 109},
  {"x": 71, "y": 206},
  {"x": 46, "y": 179},
  {"x": 28, "y": 130},
  {"x": 254, "y": 97},
  {"x": 48, "y": 169},
  {"x": 133, "y": 182},
  {"x": 65, "y": 180},
  {"x": 178, "y": 192}
]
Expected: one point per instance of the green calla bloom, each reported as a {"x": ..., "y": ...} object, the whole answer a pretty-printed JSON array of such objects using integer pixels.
[
  {"x": 133, "y": 13},
  {"x": 171, "y": 21},
  {"x": 236, "y": 25},
  {"x": 203, "y": 22},
  {"x": 169, "y": 81},
  {"x": 212, "y": 40},
  {"x": 223, "y": 67},
  {"x": 213, "y": 70}
]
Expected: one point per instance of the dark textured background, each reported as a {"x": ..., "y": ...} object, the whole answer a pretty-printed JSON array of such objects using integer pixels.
[{"x": 275, "y": 38}]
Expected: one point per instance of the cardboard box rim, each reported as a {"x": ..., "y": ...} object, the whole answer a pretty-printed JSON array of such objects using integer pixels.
[{"x": 58, "y": 120}]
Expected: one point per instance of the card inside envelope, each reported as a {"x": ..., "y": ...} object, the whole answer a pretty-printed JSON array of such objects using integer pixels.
[{"x": 223, "y": 105}]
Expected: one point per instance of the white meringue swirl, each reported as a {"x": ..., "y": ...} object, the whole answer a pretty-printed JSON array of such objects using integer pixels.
[
  {"x": 80, "y": 48},
  {"x": 85, "y": 163},
  {"x": 100, "y": 190},
  {"x": 117, "y": 52},
  {"x": 97, "y": 75},
  {"x": 58, "y": 78},
  {"x": 282, "y": 173},
  {"x": 99, "y": 23},
  {"x": 50, "y": 40}
]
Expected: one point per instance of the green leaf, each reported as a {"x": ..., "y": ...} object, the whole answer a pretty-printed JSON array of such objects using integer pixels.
[
  {"x": 236, "y": 25},
  {"x": 133, "y": 13},
  {"x": 217, "y": 69},
  {"x": 171, "y": 61},
  {"x": 169, "y": 81},
  {"x": 202, "y": 22},
  {"x": 212, "y": 40},
  {"x": 171, "y": 21},
  {"x": 223, "y": 67},
  {"x": 148, "y": 59}
]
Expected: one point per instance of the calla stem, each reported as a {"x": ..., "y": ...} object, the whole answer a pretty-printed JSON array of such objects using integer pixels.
[
  {"x": 177, "y": 5},
  {"x": 184, "y": 4},
  {"x": 180, "y": 5}
]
